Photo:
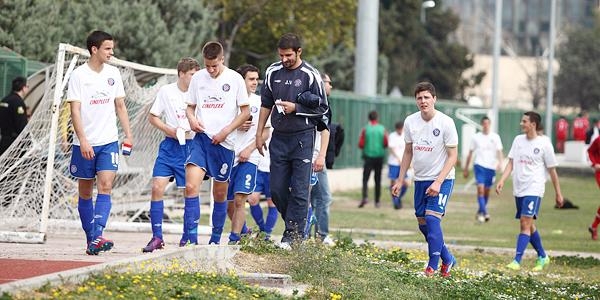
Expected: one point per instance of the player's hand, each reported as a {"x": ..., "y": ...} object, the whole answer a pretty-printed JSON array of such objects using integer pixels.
[
  {"x": 171, "y": 132},
  {"x": 288, "y": 107},
  {"x": 596, "y": 167},
  {"x": 434, "y": 189},
  {"x": 245, "y": 155},
  {"x": 465, "y": 173},
  {"x": 246, "y": 126},
  {"x": 260, "y": 144},
  {"x": 319, "y": 164},
  {"x": 559, "y": 200},
  {"x": 499, "y": 187},
  {"x": 396, "y": 187},
  {"x": 196, "y": 125},
  {"x": 220, "y": 137},
  {"x": 86, "y": 150}
]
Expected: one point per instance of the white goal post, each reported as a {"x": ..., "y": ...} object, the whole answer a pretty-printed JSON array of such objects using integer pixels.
[{"x": 37, "y": 193}]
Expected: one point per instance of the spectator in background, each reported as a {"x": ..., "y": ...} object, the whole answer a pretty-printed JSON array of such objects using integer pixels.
[
  {"x": 396, "y": 150},
  {"x": 580, "y": 126},
  {"x": 562, "y": 133},
  {"x": 594, "y": 155},
  {"x": 373, "y": 142},
  {"x": 593, "y": 132},
  {"x": 13, "y": 113}
]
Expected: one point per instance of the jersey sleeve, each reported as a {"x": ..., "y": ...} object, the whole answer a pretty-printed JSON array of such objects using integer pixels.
[
  {"x": 266, "y": 93},
  {"x": 74, "y": 88},
  {"x": 450, "y": 134},
  {"x": 511, "y": 153},
  {"x": 158, "y": 106},
  {"x": 120, "y": 92},
  {"x": 407, "y": 131},
  {"x": 499, "y": 146},
  {"x": 549, "y": 156},
  {"x": 472, "y": 143},
  {"x": 242, "y": 93},
  {"x": 192, "y": 94}
]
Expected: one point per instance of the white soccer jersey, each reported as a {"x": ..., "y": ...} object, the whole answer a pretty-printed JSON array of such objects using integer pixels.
[
  {"x": 170, "y": 100},
  {"x": 97, "y": 93},
  {"x": 397, "y": 143},
  {"x": 530, "y": 160},
  {"x": 246, "y": 138},
  {"x": 218, "y": 100},
  {"x": 486, "y": 147},
  {"x": 429, "y": 141}
]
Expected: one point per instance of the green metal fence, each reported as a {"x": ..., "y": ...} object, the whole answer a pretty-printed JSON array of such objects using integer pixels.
[{"x": 11, "y": 66}]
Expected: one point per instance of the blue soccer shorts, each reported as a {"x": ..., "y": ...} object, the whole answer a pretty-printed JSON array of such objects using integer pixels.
[
  {"x": 263, "y": 184},
  {"x": 527, "y": 206},
  {"x": 484, "y": 176},
  {"x": 436, "y": 204},
  {"x": 170, "y": 161},
  {"x": 106, "y": 158},
  {"x": 242, "y": 180},
  {"x": 216, "y": 160}
]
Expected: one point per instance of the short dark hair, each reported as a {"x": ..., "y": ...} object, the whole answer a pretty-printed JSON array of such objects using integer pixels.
[
  {"x": 484, "y": 118},
  {"x": 535, "y": 118},
  {"x": 290, "y": 41},
  {"x": 245, "y": 68},
  {"x": 399, "y": 125},
  {"x": 19, "y": 83},
  {"x": 212, "y": 50},
  {"x": 373, "y": 115},
  {"x": 425, "y": 86},
  {"x": 96, "y": 38},
  {"x": 187, "y": 63}
]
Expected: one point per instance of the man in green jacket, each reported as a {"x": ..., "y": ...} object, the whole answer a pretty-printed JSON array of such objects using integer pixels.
[{"x": 373, "y": 142}]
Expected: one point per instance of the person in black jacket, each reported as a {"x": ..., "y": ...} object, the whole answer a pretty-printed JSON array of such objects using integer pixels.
[
  {"x": 292, "y": 86},
  {"x": 13, "y": 113}
]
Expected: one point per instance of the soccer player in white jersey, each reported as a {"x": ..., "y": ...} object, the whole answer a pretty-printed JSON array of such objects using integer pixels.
[
  {"x": 95, "y": 94},
  {"x": 243, "y": 176},
  {"x": 431, "y": 146},
  {"x": 172, "y": 152},
  {"x": 218, "y": 105},
  {"x": 396, "y": 147},
  {"x": 530, "y": 156},
  {"x": 487, "y": 147}
]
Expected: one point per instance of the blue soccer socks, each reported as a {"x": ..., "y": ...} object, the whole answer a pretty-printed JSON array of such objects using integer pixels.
[
  {"x": 191, "y": 217},
  {"x": 218, "y": 220},
  {"x": 536, "y": 242},
  {"x": 435, "y": 240},
  {"x": 272, "y": 215},
  {"x": 522, "y": 241},
  {"x": 156, "y": 217},
  {"x": 482, "y": 209},
  {"x": 257, "y": 215},
  {"x": 101, "y": 213},
  {"x": 86, "y": 215}
]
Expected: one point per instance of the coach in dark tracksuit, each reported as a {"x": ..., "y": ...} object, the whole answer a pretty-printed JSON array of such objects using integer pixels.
[
  {"x": 289, "y": 83},
  {"x": 13, "y": 113}
]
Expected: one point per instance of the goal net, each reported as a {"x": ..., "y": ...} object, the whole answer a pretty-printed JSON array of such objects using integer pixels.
[{"x": 37, "y": 193}]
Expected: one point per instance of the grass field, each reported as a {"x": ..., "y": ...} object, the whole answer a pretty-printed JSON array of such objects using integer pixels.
[{"x": 351, "y": 271}]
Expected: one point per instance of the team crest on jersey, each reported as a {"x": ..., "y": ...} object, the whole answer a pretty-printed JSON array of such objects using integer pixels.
[
  {"x": 226, "y": 87},
  {"x": 536, "y": 150},
  {"x": 111, "y": 82},
  {"x": 73, "y": 169},
  {"x": 436, "y": 132},
  {"x": 253, "y": 109},
  {"x": 297, "y": 82}
]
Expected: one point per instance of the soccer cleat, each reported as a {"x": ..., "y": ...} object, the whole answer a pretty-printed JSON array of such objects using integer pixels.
[
  {"x": 480, "y": 217},
  {"x": 429, "y": 271},
  {"x": 487, "y": 217},
  {"x": 447, "y": 268},
  {"x": 214, "y": 241},
  {"x": 514, "y": 265},
  {"x": 363, "y": 203},
  {"x": 98, "y": 245},
  {"x": 327, "y": 241},
  {"x": 594, "y": 232},
  {"x": 233, "y": 242},
  {"x": 285, "y": 246},
  {"x": 155, "y": 243},
  {"x": 541, "y": 262}
]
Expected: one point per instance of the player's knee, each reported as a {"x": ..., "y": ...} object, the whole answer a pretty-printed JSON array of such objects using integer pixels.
[
  {"x": 104, "y": 186},
  {"x": 191, "y": 189}
]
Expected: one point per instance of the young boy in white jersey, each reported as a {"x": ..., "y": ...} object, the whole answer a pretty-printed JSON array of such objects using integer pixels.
[
  {"x": 431, "y": 146},
  {"x": 172, "y": 152},
  {"x": 95, "y": 94},
  {"x": 396, "y": 146},
  {"x": 218, "y": 105},
  {"x": 487, "y": 147},
  {"x": 243, "y": 176},
  {"x": 318, "y": 161},
  {"x": 530, "y": 156}
]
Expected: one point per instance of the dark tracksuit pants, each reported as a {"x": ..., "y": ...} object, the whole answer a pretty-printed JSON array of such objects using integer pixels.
[
  {"x": 291, "y": 167},
  {"x": 372, "y": 164}
]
